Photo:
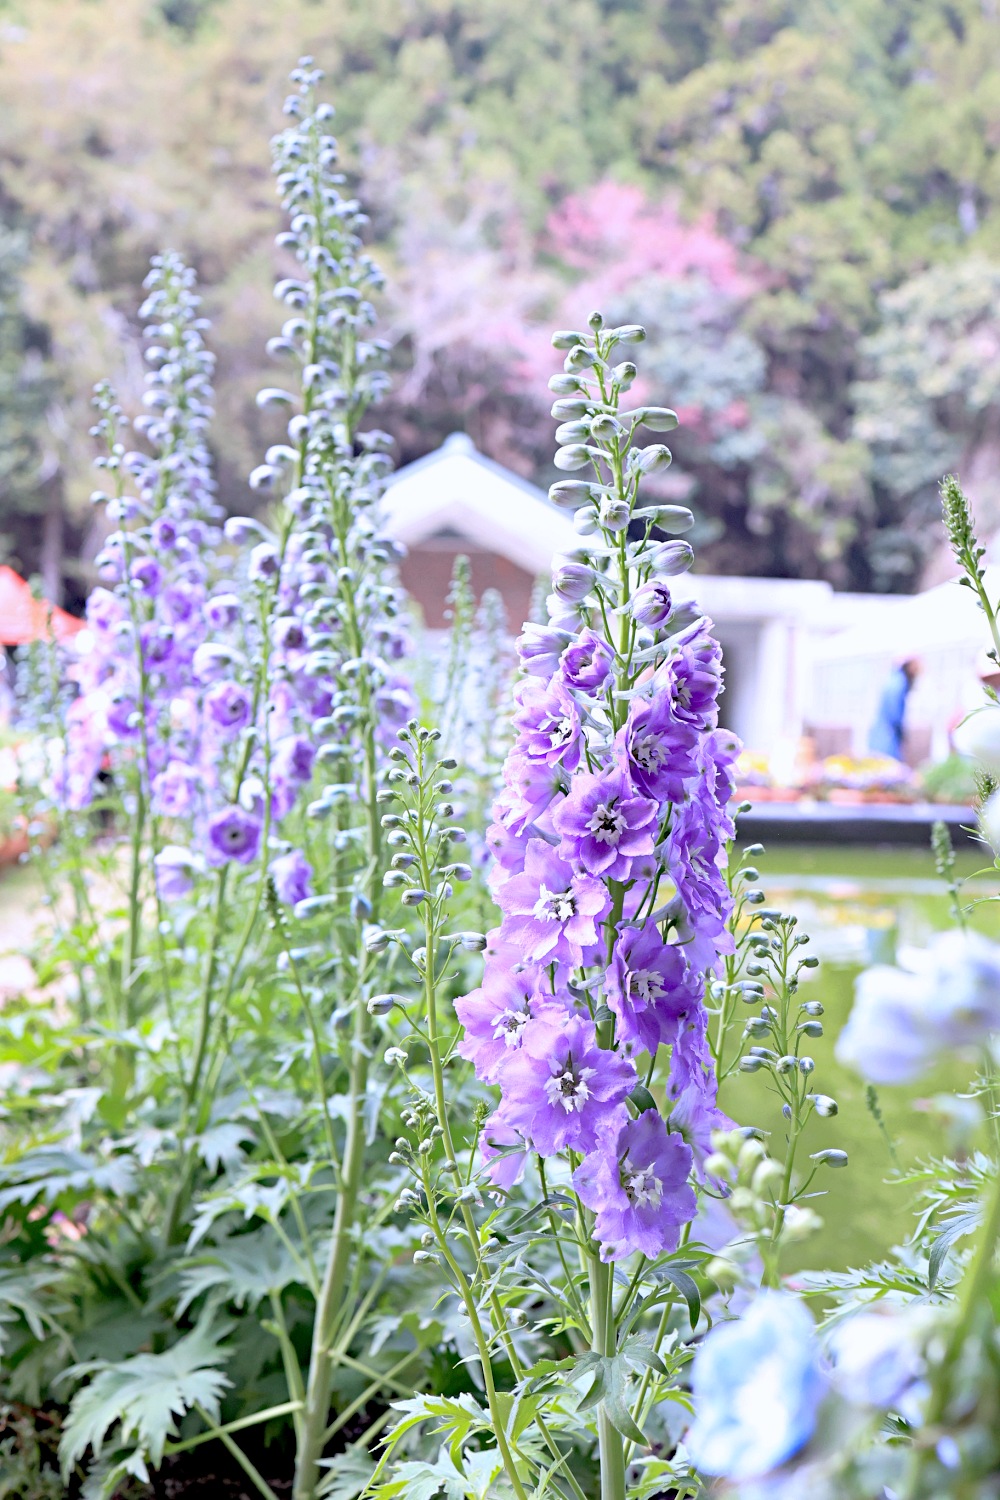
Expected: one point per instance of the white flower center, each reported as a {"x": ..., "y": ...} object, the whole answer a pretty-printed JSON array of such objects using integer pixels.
[
  {"x": 554, "y": 906},
  {"x": 648, "y": 753},
  {"x": 509, "y": 1025},
  {"x": 646, "y": 985},
  {"x": 606, "y": 824},
  {"x": 559, "y": 731},
  {"x": 641, "y": 1184},
  {"x": 569, "y": 1088}
]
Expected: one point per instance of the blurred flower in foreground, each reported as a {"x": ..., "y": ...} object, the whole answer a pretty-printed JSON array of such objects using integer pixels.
[
  {"x": 943, "y": 997},
  {"x": 757, "y": 1387}
]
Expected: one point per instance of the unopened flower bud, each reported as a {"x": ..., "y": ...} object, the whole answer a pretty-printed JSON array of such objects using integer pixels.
[
  {"x": 824, "y": 1106},
  {"x": 414, "y": 897},
  {"x": 718, "y": 1165},
  {"x": 651, "y": 604},
  {"x": 571, "y": 494},
  {"x": 614, "y": 514},
  {"x": 829, "y": 1158},
  {"x": 668, "y": 559},
  {"x": 572, "y": 581},
  {"x": 381, "y": 1005},
  {"x": 576, "y": 456},
  {"x": 374, "y": 939}
]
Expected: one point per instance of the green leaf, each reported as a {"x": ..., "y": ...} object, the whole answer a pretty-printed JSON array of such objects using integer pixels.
[
  {"x": 347, "y": 1476},
  {"x": 246, "y": 1268},
  {"x": 961, "y": 1225},
  {"x": 616, "y": 1401},
  {"x": 145, "y": 1395},
  {"x": 52, "y": 1173},
  {"x": 688, "y": 1288}
]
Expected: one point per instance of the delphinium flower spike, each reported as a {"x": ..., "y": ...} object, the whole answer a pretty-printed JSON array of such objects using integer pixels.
[{"x": 608, "y": 839}]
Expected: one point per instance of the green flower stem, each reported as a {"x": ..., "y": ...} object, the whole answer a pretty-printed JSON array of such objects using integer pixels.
[
  {"x": 605, "y": 1341},
  {"x": 256, "y": 1478},
  {"x": 215, "y": 1431}
]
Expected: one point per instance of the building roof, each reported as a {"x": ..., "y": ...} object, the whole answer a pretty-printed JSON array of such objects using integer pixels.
[{"x": 457, "y": 489}]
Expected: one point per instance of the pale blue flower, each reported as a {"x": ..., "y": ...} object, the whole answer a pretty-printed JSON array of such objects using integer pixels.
[
  {"x": 942, "y": 997},
  {"x": 757, "y": 1385}
]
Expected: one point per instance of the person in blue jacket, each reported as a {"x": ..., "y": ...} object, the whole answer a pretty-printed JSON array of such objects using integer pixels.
[{"x": 886, "y": 736}]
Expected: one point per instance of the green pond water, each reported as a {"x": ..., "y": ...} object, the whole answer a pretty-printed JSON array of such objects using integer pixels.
[{"x": 858, "y": 905}]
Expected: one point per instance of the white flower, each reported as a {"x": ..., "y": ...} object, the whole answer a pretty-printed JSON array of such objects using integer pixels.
[{"x": 978, "y": 737}]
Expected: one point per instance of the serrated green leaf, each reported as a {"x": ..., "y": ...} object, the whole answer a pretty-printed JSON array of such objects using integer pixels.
[
  {"x": 347, "y": 1475},
  {"x": 145, "y": 1395}
]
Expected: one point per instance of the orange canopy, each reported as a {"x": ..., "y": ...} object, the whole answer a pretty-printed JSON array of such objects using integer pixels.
[{"x": 24, "y": 618}]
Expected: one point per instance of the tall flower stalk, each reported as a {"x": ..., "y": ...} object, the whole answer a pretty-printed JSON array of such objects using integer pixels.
[{"x": 609, "y": 839}]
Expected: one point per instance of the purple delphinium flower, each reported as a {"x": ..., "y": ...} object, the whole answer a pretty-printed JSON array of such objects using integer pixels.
[
  {"x": 293, "y": 758},
  {"x": 547, "y": 723},
  {"x": 228, "y": 705},
  {"x": 233, "y": 834},
  {"x": 560, "y": 1087},
  {"x": 587, "y": 663},
  {"x": 163, "y": 533},
  {"x": 637, "y": 1184},
  {"x": 694, "y": 848},
  {"x": 531, "y": 788},
  {"x": 175, "y": 870},
  {"x": 604, "y": 825},
  {"x": 539, "y": 648},
  {"x": 175, "y": 789},
  {"x": 692, "y": 1086},
  {"x": 551, "y": 910},
  {"x": 496, "y": 1016},
  {"x": 264, "y": 563},
  {"x": 659, "y": 751},
  {"x": 650, "y": 988},
  {"x": 146, "y": 575},
  {"x": 222, "y": 610},
  {"x": 292, "y": 876},
  {"x": 694, "y": 676},
  {"x": 505, "y": 1152}
]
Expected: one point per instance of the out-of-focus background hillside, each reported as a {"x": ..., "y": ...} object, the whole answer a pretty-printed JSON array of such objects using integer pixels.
[{"x": 800, "y": 198}]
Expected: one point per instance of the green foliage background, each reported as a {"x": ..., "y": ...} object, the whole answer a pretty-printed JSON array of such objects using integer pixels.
[{"x": 848, "y": 149}]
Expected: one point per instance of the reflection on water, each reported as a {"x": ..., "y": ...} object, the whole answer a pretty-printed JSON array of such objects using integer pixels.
[{"x": 858, "y": 907}]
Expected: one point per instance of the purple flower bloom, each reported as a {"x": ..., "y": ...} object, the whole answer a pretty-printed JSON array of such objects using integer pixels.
[
  {"x": 539, "y": 648},
  {"x": 650, "y": 988},
  {"x": 175, "y": 868},
  {"x": 560, "y": 1087},
  {"x": 651, "y": 604},
  {"x": 587, "y": 662},
  {"x": 163, "y": 533},
  {"x": 692, "y": 1086},
  {"x": 693, "y": 676},
  {"x": 292, "y": 875},
  {"x": 146, "y": 575},
  {"x": 551, "y": 910},
  {"x": 637, "y": 1184},
  {"x": 495, "y": 1017},
  {"x": 104, "y": 611},
  {"x": 659, "y": 752},
  {"x": 504, "y": 1170},
  {"x": 233, "y": 834},
  {"x": 604, "y": 826},
  {"x": 547, "y": 723},
  {"x": 222, "y": 610},
  {"x": 531, "y": 788},
  {"x": 264, "y": 563},
  {"x": 228, "y": 705},
  {"x": 175, "y": 788},
  {"x": 293, "y": 759},
  {"x": 289, "y": 634}
]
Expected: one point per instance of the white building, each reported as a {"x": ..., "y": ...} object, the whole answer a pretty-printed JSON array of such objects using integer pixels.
[{"x": 800, "y": 658}]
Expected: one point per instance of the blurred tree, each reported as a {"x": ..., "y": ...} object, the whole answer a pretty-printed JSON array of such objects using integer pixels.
[
  {"x": 835, "y": 149},
  {"x": 31, "y": 502},
  {"x": 930, "y": 402}
]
